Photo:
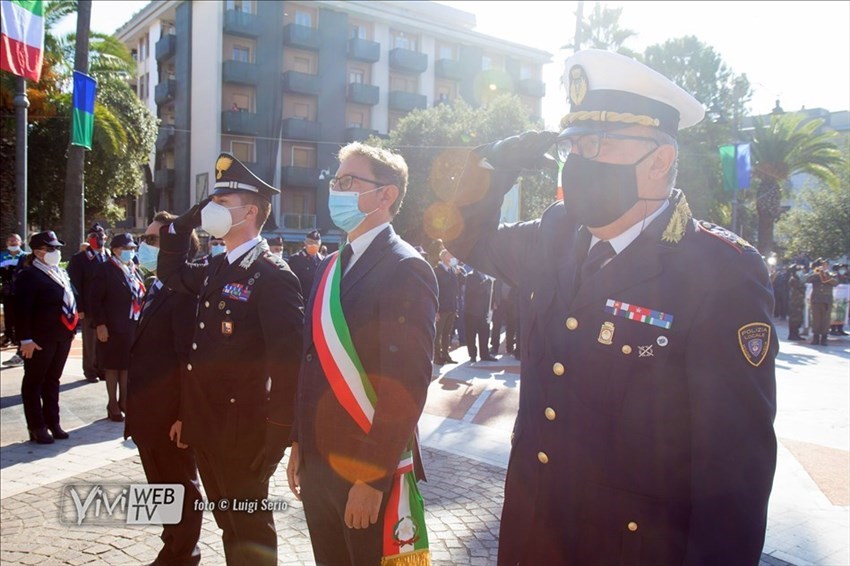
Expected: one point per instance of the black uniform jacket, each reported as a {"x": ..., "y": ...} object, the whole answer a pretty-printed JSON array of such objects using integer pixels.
[
  {"x": 158, "y": 356},
  {"x": 477, "y": 294},
  {"x": 110, "y": 298},
  {"x": 39, "y": 307},
  {"x": 81, "y": 269},
  {"x": 389, "y": 298},
  {"x": 304, "y": 266},
  {"x": 248, "y": 329},
  {"x": 635, "y": 443},
  {"x": 449, "y": 284}
]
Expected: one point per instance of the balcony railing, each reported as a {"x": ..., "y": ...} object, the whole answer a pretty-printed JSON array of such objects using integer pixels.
[
  {"x": 301, "y": 83},
  {"x": 301, "y": 129},
  {"x": 364, "y": 50},
  {"x": 360, "y": 93},
  {"x": 240, "y": 123},
  {"x": 164, "y": 178},
  {"x": 165, "y": 137},
  {"x": 532, "y": 87},
  {"x": 237, "y": 22},
  {"x": 406, "y": 101},
  {"x": 165, "y": 47},
  {"x": 356, "y": 133},
  {"x": 299, "y": 221},
  {"x": 240, "y": 72},
  {"x": 165, "y": 91},
  {"x": 407, "y": 60},
  {"x": 448, "y": 69},
  {"x": 292, "y": 176},
  {"x": 305, "y": 37}
]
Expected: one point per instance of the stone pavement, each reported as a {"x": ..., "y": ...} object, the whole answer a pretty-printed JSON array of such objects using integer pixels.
[{"x": 466, "y": 426}]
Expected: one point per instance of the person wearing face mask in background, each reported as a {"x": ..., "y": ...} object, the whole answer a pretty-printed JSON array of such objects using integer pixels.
[
  {"x": 365, "y": 371},
  {"x": 449, "y": 296},
  {"x": 81, "y": 268},
  {"x": 47, "y": 317},
  {"x": 796, "y": 301},
  {"x": 645, "y": 425},
  {"x": 11, "y": 261},
  {"x": 247, "y": 336},
  {"x": 840, "y": 270},
  {"x": 276, "y": 246},
  {"x": 115, "y": 302},
  {"x": 305, "y": 263},
  {"x": 159, "y": 353}
]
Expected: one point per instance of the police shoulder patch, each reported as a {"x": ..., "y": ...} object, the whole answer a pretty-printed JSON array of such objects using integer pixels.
[
  {"x": 726, "y": 236},
  {"x": 754, "y": 340}
]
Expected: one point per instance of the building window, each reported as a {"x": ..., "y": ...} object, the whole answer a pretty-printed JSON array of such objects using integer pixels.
[
  {"x": 445, "y": 91},
  {"x": 303, "y": 156},
  {"x": 402, "y": 40},
  {"x": 404, "y": 83},
  {"x": 243, "y": 150},
  {"x": 356, "y": 76},
  {"x": 303, "y": 18},
  {"x": 526, "y": 71},
  {"x": 355, "y": 119},
  {"x": 246, "y": 6},
  {"x": 447, "y": 52},
  {"x": 356, "y": 32},
  {"x": 302, "y": 64},
  {"x": 301, "y": 110},
  {"x": 143, "y": 48},
  {"x": 241, "y": 103},
  {"x": 144, "y": 82},
  {"x": 299, "y": 204},
  {"x": 486, "y": 62},
  {"x": 242, "y": 53}
]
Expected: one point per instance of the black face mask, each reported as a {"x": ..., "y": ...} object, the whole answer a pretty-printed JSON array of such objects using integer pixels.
[{"x": 599, "y": 193}]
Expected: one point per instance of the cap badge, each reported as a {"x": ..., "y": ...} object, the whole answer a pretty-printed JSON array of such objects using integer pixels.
[
  {"x": 222, "y": 165},
  {"x": 578, "y": 85}
]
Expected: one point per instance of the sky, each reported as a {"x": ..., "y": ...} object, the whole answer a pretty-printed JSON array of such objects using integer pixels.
[{"x": 797, "y": 52}]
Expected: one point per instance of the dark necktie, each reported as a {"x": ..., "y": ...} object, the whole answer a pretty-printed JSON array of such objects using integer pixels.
[
  {"x": 148, "y": 300},
  {"x": 598, "y": 255},
  {"x": 345, "y": 257}
]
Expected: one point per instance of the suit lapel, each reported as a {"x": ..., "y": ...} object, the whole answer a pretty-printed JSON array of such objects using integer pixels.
[{"x": 367, "y": 261}]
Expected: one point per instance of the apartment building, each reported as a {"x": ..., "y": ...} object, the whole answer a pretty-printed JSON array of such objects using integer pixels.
[{"x": 282, "y": 85}]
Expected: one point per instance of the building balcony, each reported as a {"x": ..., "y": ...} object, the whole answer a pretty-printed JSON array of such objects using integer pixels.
[
  {"x": 448, "y": 69},
  {"x": 292, "y": 176},
  {"x": 165, "y": 137},
  {"x": 408, "y": 61},
  {"x": 532, "y": 87},
  {"x": 304, "y": 37},
  {"x": 301, "y": 129},
  {"x": 237, "y": 22},
  {"x": 163, "y": 179},
  {"x": 165, "y": 91},
  {"x": 240, "y": 72},
  {"x": 360, "y": 93},
  {"x": 356, "y": 133},
  {"x": 166, "y": 47},
  {"x": 301, "y": 83},
  {"x": 240, "y": 123},
  {"x": 299, "y": 221},
  {"x": 406, "y": 101},
  {"x": 364, "y": 50}
]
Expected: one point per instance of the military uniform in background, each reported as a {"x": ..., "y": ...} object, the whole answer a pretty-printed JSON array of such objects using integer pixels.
[{"x": 796, "y": 301}]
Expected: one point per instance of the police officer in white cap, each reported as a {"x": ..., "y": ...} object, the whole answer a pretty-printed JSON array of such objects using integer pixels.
[
  {"x": 247, "y": 334},
  {"x": 645, "y": 428}
]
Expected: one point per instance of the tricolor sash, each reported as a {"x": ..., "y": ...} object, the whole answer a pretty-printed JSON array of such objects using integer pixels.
[
  {"x": 405, "y": 539},
  {"x": 69, "y": 316}
]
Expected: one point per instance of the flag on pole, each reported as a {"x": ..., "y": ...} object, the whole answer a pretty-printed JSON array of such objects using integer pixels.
[
  {"x": 22, "y": 37},
  {"x": 735, "y": 162},
  {"x": 82, "y": 120}
]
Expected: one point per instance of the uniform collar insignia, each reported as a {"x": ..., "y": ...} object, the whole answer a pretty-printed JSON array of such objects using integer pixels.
[
  {"x": 252, "y": 256},
  {"x": 679, "y": 221}
]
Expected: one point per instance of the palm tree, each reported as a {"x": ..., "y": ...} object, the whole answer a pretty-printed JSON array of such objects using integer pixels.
[{"x": 791, "y": 144}]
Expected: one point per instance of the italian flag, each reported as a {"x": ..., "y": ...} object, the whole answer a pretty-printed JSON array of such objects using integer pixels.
[{"x": 22, "y": 37}]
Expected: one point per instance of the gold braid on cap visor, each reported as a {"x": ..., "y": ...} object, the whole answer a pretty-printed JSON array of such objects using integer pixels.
[{"x": 605, "y": 116}]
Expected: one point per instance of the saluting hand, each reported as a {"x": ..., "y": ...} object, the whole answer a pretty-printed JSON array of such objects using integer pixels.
[
  {"x": 363, "y": 506},
  {"x": 28, "y": 349},
  {"x": 102, "y": 333}
]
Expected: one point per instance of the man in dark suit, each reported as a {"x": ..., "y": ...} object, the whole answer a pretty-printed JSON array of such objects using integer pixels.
[
  {"x": 477, "y": 295},
  {"x": 645, "y": 427},
  {"x": 248, "y": 330},
  {"x": 81, "y": 269},
  {"x": 449, "y": 285},
  {"x": 305, "y": 263},
  {"x": 158, "y": 356},
  {"x": 370, "y": 323}
]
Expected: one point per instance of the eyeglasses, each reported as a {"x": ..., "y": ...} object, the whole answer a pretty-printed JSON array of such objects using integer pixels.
[
  {"x": 344, "y": 183},
  {"x": 150, "y": 239},
  {"x": 589, "y": 145}
]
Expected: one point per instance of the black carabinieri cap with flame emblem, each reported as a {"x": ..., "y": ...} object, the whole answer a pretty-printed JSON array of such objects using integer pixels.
[{"x": 232, "y": 176}]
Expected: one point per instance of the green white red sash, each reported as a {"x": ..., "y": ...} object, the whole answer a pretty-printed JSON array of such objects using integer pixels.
[{"x": 405, "y": 539}]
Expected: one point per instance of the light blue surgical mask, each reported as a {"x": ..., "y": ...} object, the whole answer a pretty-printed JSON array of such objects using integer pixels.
[
  {"x": 217, "y": 250},
  {"x": 127, "y": 255},
  {"x": 147, "y": 256},
  {"x": 345, "y": 210}
]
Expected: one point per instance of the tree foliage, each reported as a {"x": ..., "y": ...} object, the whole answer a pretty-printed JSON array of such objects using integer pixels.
[
  {"x": 601, "y": 30},
  {"x": 435, "y": 143},
  {"x": 818, "y": 225}
]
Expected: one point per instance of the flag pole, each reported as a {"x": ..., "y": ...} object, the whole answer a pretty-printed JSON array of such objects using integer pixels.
[{"x": 21, "y": 103}]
